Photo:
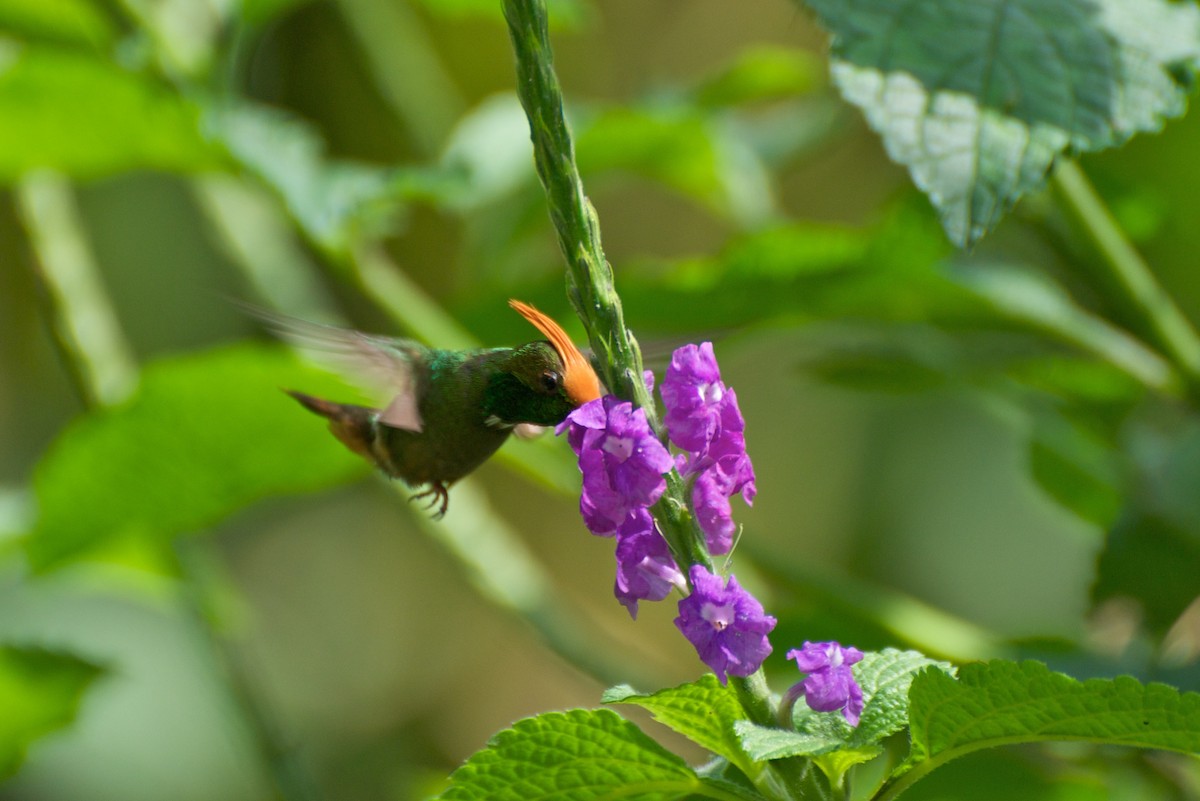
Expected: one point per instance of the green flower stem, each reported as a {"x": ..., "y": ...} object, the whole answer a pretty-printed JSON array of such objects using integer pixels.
[
  {"x": 589, "y": 275},
  {"x": 591, "y": 288},
  {"x": 1122, "y": 270}
]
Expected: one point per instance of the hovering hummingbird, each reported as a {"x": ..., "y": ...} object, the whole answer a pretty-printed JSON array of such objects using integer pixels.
[{"x": 449, "y": 410}]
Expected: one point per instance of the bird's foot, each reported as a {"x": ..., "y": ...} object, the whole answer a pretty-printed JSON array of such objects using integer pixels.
[{"x": 438, "y": 496}]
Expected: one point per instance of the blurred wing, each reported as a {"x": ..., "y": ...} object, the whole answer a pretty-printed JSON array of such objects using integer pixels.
[{"x": 381, "y": 365}]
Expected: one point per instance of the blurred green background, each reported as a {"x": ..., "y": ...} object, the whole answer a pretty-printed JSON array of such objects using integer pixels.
[{"x": 366, "y": 159}]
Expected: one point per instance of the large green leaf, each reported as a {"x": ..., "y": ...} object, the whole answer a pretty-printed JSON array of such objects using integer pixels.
[
  {"x": 67, "y": 111},
  {"x": 979, "y": 98},
  {"x": 572, "y": 756},
  {"x": 40, "y": 691},
  {"x": 885, "y": 678},
  {"x": 204, "y": 436},
  {"x": 1001, "y": 703},
  {"x": 65, "y": 21},
  {"x": 704, "y": 711}
]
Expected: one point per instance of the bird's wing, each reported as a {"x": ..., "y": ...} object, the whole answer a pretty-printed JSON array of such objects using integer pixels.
[{"x": 381, "y": 365}]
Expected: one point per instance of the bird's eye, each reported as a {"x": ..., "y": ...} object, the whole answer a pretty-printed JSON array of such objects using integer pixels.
[{"x": 550, "y": 381}]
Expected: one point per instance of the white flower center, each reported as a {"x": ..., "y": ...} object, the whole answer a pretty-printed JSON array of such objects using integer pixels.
[
  {"x": 620, "y": 447},
  {"x": 719, "y": 617},
  {"x": 710, "y": 394}
]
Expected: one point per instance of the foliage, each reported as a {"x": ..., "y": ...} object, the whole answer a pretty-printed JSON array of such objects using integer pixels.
[{"x": 1023, "y": 294}]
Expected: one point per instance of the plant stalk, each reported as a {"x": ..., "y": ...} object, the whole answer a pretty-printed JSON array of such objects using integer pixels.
[{"x": 1122, "y": 270}]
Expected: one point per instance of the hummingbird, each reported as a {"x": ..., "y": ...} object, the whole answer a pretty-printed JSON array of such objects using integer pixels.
[{"x": 447, "y": 411}]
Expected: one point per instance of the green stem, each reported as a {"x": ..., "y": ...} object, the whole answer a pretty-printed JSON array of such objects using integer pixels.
[
  {"x": 589, "y": 275},
  {"x": 1122, "y": 270},
  {"x": 592, "y": 291}
]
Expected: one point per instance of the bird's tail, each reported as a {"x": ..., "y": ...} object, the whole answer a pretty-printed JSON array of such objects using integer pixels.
[{"x": 354, "y": 425}]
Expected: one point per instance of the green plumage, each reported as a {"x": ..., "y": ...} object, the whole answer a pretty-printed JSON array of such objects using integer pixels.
[{"x": 453, "y": 409}]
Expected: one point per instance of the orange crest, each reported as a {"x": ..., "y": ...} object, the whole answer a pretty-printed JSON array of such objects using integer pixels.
[{"x": 579, "y": 379}]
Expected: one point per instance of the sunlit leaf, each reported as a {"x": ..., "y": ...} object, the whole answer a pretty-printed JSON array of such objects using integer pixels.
[
  {"x": 978, "y": 99},
  {"x": 63, "y": 21},
  {"x": 67, "y": 111},
  {"x": 40, "y": 691},
  {"x": 704, "y": 711},
  {"x": 674, "y": 146},
  {"x": 762, "y": 73},
  {"x": 203, "y": 436},
  {"x": 335, "y": 202},
  {"x": 999, "y": 703},
  {"x": 572, "y": 756}
]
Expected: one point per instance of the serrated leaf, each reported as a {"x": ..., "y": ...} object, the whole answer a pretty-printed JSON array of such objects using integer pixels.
[
  {"x": 763, "y": 743},
  {"x": 66, "y": 21},
  {"x": 834, "y": 745},
  {"x": 203, "y": 436},
  {"x": 572, "y": 756},
  {"x": 704, "y": 711},
  {"x": 40, "y": 691},
  {"x": 1001, "y": 703},
  {"x": 978, "y": 99},
  {"x": 49, "y": 96}
]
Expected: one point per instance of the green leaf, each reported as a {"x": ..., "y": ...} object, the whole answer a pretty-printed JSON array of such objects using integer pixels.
[
  {"x": 40, "y": 691},
  {"x": 978, "y": 99},
  {"x": 704, "y": 711},
  {"x": 335, "y": 202},
  {"x": 204, "y": 435},
  {"x": 1077, "y": 468},
  {"x": 76, "y": 22},
  {"x": 86, "y": 117},
  {"x": 762, "y": 72},
  {"x": 1002, "y": 703},
  {"x": 260, "y": 12},
  {"x": 1037, "y": 301},
  {"x": 1153, "y": 562},
  {"x": 572, "y": 756},
  {"x": 763, "y": 743},
  {"x": 884, "y": 677},
  {"x": 673, "y": 145}
]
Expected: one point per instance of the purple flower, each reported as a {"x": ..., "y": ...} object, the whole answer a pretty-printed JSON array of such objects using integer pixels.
[
  {"x": 622, "y": 461},
  {"x": 694, "y": 396},
  {"x": 645, "y": 569},
  {"x": 725, "y": 623},
  {"x": 830, "y": 683}
]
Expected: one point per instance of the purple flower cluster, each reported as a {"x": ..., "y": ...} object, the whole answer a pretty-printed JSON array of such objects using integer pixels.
[
  {"x": 704, "y": 421},
  {"x": 623, "y": 465},
  {"x": 829, "y": 685}
]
